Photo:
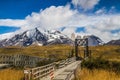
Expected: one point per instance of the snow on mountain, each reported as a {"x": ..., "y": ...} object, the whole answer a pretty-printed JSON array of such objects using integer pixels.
[
  {"x": 92, "y": 40},
  {"x": 55, "y": 36},
  {"x": 35, "y": 37},
  {"x": 47, "y": 37}
]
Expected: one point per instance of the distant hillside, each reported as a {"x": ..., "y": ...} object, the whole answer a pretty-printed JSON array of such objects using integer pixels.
[{"x": 114, "y": 42}]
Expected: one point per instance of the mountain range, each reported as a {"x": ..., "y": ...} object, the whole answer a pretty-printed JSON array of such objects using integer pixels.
[
  {"x": 47, "y": 37},
  {"x": 35, "y": 37},
  {"x": 114, "y": 42}
]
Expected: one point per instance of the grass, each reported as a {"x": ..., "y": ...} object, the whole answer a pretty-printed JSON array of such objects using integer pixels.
[
  {"x": 104, "y": 65},
  {"x": 11, "y": 74},
  {"x": 54, "y": 51},
  {"x": 107, "y": 53},
  {"x": 101, "y": 64},
  {"x": 111, "y": 53},
  {"x": 99, "y": 69},
  {"x": 96, "y": 74},
  {"x": 59, "y": 51}
]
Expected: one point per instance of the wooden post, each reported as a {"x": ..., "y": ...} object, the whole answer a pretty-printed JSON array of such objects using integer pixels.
[
  {"x": 52, "y": 74},
  {"x": 86, "y": 48},
  {"x": 76, "y": 49},
  {"x": 27, "y": 74},
  {"x": 26, "y": 77}
]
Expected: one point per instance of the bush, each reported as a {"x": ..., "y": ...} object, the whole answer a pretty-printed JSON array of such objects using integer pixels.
[{"x": 99, "y": 63}]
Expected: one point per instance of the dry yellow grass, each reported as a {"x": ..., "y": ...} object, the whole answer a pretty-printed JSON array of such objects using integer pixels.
[
  {"x": 11, "y": 74},
  {"x": 111, "y": 53},
  {"x": 108, "y": 52},
  {"x": 40, "y": 51},
  {"x": 96, "y": 74}
]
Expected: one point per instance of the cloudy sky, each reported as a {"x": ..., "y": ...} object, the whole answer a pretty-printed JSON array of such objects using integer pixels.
[{"x": 97, "y": 17}]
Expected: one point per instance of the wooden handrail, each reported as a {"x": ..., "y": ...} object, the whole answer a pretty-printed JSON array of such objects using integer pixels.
[{"x": 42, "y": 71}]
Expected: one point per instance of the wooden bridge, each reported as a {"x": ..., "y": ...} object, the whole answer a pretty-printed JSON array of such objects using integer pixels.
[{"x": 62, "y": 70}]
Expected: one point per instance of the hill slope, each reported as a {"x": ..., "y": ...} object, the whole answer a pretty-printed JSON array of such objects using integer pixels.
[{"x": 114, "y": 42}]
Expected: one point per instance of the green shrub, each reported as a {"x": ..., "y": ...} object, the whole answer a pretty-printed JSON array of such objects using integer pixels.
[{"x": 99, "y": 63}]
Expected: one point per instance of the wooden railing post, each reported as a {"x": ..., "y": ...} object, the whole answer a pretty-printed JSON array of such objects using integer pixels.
[{"x": 27, "y": 74}]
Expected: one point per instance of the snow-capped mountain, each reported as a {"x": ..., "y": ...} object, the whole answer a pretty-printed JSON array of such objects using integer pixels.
[
  {"x": 93, "y": 40},
  {"x": 35, "y": 37},
  {"x": 48, "y": 37},
  {"x": 57, "y": 37}
]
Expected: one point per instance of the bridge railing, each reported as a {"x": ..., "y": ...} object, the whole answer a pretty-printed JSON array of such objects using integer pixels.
[
  {"x": 42, "y": 71},
  {"x": 66, "y": 62},
  {"x": 47, "y": 70}
]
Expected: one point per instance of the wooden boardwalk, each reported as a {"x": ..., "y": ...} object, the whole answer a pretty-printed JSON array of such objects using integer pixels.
[
  {"x": 67, "y": 73},
  {"x": 62, "y": 70}
]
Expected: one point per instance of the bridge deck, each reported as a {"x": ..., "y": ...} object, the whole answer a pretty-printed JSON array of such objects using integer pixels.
[{"x": 67, "y": 73}]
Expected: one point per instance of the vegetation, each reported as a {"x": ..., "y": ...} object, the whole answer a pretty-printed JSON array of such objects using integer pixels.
[
  {"x": 96, "y": 74},
  {"x": 57, "y": 51},
  {"x": 11, "y": 74},
  {"x": 104, "y": 64},
  {"x": 52, "y": 53},
  {"x": 97, "y": 69},
  {"x": 111, "y": 53}
]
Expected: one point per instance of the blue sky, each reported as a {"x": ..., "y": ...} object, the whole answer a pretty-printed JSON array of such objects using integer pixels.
[
  {"x": 18, "y": 15},
  {"x": 19, "y": 9}
]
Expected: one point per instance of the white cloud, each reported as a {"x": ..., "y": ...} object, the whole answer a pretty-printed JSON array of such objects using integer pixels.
[
  {"x": 69, "y": 30},
  {"x": 62, "y": 16},
  {"x": 51, "y": 18},
  {"x": 101, "y": 11},
  {"x": 85, "y": 4},
  {"x": 104, "y": 26},
  {"x": 11, "y": 22}
]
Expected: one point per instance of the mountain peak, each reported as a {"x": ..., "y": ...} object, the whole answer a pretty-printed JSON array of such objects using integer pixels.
[
  {"x": 35, "y": 37},
  {"x": 92, "y": 40}
]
